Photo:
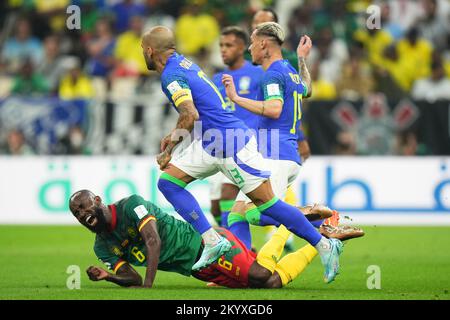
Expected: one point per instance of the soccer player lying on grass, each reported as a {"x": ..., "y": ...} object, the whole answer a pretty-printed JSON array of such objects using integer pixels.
[{"x": 135, "y": 232}]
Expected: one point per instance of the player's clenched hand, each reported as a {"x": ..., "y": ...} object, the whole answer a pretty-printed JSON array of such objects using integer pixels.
[
  {"x": 230, "y": 89},
  {"x": 304, "y": 46},
  {"x": 96, "y": 273},
  {"x": 163, "y": 159}
]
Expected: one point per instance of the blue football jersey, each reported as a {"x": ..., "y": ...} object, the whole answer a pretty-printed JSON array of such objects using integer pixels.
[
  {"x": 281, "y": 81},
  {"x": 183, "y": 80},
  {"x": 247, "y": 80}
]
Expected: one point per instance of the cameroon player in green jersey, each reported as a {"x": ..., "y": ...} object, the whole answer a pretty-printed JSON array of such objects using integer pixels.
[{"x": 135, "y": 232}]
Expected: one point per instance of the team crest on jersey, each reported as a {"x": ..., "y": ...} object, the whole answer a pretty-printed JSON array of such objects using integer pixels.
[
  {"x": 116, "y": 250},
  {"x": 295, "y": 77},
  {"x": 244, "y": 85},
  {"x": 131, "y": 232},
  {"x": 186, "y": 63}
]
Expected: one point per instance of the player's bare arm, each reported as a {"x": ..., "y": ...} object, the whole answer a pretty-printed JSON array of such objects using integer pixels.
[
  {"x": 270, "y": 108},
  {"x": 149, "y": 233},
  {"x": 188, "y": 114},
  {"x": 303, "y": 49},
  {"x": 125, "y": 276}
]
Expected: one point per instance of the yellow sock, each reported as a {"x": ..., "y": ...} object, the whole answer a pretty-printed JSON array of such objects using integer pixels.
[
  {"x": 290, "y": 197},
  {"x": 294, "y": 263},
  {"x": 271, "y": 251}
]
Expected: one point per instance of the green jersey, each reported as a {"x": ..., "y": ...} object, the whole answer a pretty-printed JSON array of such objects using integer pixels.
[{"x": 180, "y": 243}]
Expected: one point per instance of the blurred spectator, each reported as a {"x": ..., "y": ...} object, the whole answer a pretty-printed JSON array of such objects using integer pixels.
[
  {"x": 52, "y": 65},
  {"x": 330, "y": 52},
  {"x": 195, "y": 30},
  {"x": 375, "y": 42},
  {"x": 356, "y": 81},
  {"x": 29, "y": 82},
  {"x": 16, "y": 144},
  {"x": 159, "y": 16},
  {"x": 53, "y": 11},
  {"x": 322, "y": 88},
  {"x": 73, "y": 143},
  {"x": 345, "y": 144},
  {"x": 433, "y": 88},
  {"x": 416, "y": 53},
  {"x": 405, "y": 12},
  {"x": 92, "y": 12},
  {"x": 75, "y": 84},
  {"x": 21, "y": 46},
  {"x": 300, "y": 23},
  {"x": 101, "y": 50},
  {"x": 447, "y": 63},
  {"x": 406, "y": 144},
  {"x": 344, "y": 21},
  {"x": 392, "y": 26},
  {"x": 399, "y": 71},
  {"x": 435, "y": 24},
  {"x": 128, "y": 50},
  {"x": 227, "y": 12},
  {"x": 124, "y": 11}
]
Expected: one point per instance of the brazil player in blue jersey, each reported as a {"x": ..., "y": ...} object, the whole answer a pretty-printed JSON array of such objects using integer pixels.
[
  {"x": 233, "y": 43},
  {"x": 247, "y": 76},
  {"x": 225, "y": 144},
  {"x": 280, "y": 106}
]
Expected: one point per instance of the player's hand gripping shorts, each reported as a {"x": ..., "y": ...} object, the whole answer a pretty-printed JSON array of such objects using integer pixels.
[
  {"x": 247, "y": 169},
  {"x": 231, "y": 270}
]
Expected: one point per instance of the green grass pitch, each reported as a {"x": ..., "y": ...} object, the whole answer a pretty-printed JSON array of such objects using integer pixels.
[{"x": 414, "y": 264}]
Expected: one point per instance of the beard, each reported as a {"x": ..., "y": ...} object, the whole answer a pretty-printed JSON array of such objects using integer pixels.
[
  {"x": 150, "y": 63},
  {"x": 101, "y": 225}
]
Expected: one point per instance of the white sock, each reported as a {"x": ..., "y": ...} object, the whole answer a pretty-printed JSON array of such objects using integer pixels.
[
  {"x": 323, "y": 246},
  {"x": 210, "y": 237}
]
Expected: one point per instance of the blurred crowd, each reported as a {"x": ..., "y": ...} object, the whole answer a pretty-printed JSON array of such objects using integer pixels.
[{"x": 408, "y": 55}]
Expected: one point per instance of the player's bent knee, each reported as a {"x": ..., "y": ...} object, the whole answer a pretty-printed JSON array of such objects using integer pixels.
[
  {"x": 168, "y": 183},
  {"x": 274, "y": 282},
  {"x": 259, "y": 275},
  {"x": 262, "y": 194},
  {"x": 229, "y": 191}
]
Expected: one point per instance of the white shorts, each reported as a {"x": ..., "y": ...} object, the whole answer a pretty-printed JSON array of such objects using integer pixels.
[
  {"x": 247, "y": 169},
  {"x": 284, "y": 173},
  {"x": 215, "y": 185}
]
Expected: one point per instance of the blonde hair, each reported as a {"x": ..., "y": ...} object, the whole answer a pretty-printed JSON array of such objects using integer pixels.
[{"x": 271, "y": 29}]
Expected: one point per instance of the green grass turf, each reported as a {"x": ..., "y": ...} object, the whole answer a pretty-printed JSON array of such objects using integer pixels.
[{"x": 414, "y": 262}]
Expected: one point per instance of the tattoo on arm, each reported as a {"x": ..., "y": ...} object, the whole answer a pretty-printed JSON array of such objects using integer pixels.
[
  {"x": 188, "y": 114},
  {"x": 304, "y": 73}
]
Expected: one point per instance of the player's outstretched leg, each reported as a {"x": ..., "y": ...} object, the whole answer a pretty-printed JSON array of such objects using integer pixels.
[
  {"x": 238, "y": 225},
  {"x": 329, "y": 249},
  {"x": 270, "y": 271},
  {"x": 186, "y": 205}
]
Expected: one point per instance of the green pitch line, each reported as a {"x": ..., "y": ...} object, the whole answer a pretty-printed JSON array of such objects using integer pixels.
[{"x": 414, "y": 264}]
